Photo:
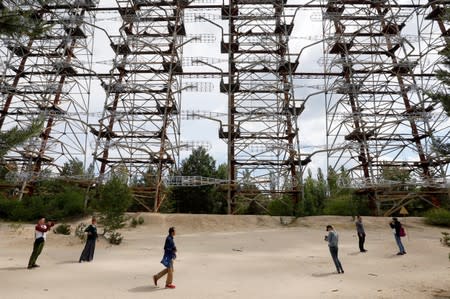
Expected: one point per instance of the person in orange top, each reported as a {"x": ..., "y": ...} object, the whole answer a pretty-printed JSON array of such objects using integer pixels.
[{"x": 40, "y": 234}]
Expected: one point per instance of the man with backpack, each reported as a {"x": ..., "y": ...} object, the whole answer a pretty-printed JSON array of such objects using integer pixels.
[{"x": 399, "y": 232}]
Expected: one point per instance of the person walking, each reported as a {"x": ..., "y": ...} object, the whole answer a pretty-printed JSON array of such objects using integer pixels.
[
  {"x": 88, "y": 252},
  {"x": 361, "y": 233},
  {"x": 169, "y": 256},
  {"x": 40, "y": 233},
  {"x": 399, "y": 232},
  {"x": 333, "y": 240}
]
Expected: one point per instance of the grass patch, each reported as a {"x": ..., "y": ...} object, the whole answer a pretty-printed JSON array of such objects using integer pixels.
[{"x": 438, "y": 217}]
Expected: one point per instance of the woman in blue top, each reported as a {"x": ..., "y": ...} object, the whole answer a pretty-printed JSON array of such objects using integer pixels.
[{"x": 169, "y": 255}]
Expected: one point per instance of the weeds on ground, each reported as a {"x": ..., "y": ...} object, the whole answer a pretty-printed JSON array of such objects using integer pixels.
[
  {"x": 63, "y": 229},
  {"x": 114, "y": 238},
  {"x": 79, "y": 231},
  {"x": 16, "y": 227},
  {"x": 136, "y": 221},
  {"x": 445, "y": 240}
]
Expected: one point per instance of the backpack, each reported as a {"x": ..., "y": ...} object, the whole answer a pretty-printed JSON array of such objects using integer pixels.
[{"x": 402, "y": 232}]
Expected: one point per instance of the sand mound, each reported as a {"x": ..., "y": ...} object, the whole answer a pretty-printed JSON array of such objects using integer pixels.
[
  {"x": 189, "y": 223},
  {"x": 216, "y": 223}
]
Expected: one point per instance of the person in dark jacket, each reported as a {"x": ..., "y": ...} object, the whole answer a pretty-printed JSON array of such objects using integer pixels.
[
  {"x": 397, "y": 227},
  {"x": 169, "y": 256},
  {"x": 40, "y": 234},
  {"x": 333, "y": 240},
  {"x": 361, "y": 233},
  {"x": 88, "y": 252}
]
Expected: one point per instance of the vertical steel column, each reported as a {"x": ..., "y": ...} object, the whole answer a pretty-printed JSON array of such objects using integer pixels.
[{"x": 261, "y": 132}]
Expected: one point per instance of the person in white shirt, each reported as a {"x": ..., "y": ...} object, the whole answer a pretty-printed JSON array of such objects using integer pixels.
[{"x": 40, "y": 233}]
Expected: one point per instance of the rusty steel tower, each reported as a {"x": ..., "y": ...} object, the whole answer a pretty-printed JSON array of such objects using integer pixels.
[
  {"x": 377, "y": 103},
  {"x": 261, "y": 131},
  {"x": 140, "y": 127},
  {"x": 48, "y": 78}
]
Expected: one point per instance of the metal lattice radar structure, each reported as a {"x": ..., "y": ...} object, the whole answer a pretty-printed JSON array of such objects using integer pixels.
[
  {"x": 49, "y": 77},
  {"x": 378, "y": 58}
]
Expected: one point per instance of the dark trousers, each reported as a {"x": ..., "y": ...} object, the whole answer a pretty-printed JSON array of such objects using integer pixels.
[
  {"x": 334, "y": 255},
  {"x": 361, "y": 239},
  {"x": 88, "y": 251},
  {"x": 401, "y": 248},
  {"x": 37, "y": 249}
]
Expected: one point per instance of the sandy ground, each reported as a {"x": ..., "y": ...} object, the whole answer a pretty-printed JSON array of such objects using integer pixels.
[{"x": 231, "y": 257}]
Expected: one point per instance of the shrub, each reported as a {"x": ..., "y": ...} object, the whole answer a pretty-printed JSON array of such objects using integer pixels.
[
  {"x": 115, "y": 198},
  {"x": 114, "y": 238},
  {"x": 52, "y": 199},
  {"x": 136, "y": 221},
  {"x": 340, "y": 206},
  {"x": 79, "y": 231},
  {"x": 445, "y": 240},
  {"x": 280, "y": 208},
  {"x": 16, "y": 227},
  {"x": 7, "y": 206},
  {"x": 62, "y": 229},
  {"x": 439, "y": 217}
]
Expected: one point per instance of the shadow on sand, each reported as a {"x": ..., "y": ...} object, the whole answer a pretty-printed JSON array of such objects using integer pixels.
[
  {"x": 67, "y": 262},
  {"x": 324, "y": 274},
  {"x": 13, "y": 268},
  {"x": 145, "y": 289}
]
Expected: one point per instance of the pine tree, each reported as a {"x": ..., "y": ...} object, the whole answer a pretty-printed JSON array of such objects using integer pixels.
[
  {"x": 17, "y": 136},
  {"x": 16, "y": 22},
  {"x": 443, "y": 74}
]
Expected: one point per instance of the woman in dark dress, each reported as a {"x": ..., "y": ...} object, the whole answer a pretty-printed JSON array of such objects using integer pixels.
[{"x": 88, "y": 252}]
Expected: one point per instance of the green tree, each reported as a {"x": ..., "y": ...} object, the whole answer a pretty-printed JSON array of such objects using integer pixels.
[
  {"x": 54, "y": 199},
  {"x": 16, "y": 22},
  {"x": 341, "y": 200},
  {"x": 310, "y": 195},
  {"x": 281, "y": 206},
  {"x": 72, "y": 168},
  {"x": 396, "y": 174},
  {"x": 196, "y": 199},
  {"x": 218, "y": 193},
  {"x": 17, "y": 136},
  {"x": 443, "y": 97},
  {"x": 315, "y": 194},
  {"x": 443, "y": 74},
  {"x": 222, "y": 171},
  {"x": 114, "y": 199},
  {"x": 199, "y": 163}
]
